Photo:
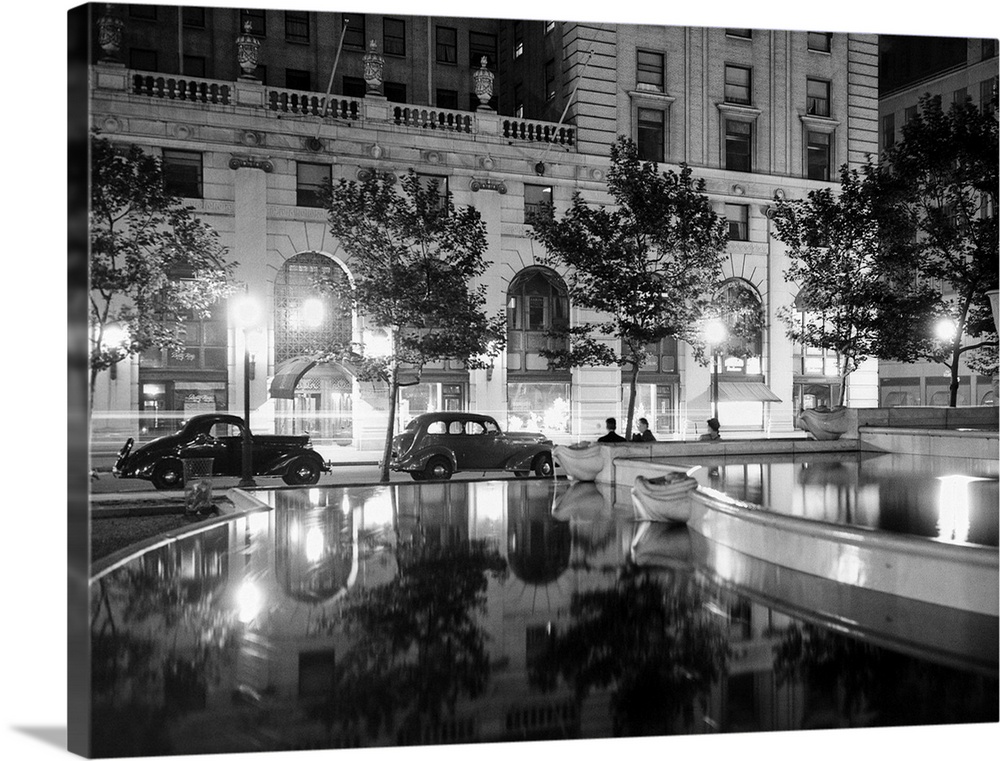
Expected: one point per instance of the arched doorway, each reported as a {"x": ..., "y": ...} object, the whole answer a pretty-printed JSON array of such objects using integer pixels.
[{"x": 308, "y": 320}]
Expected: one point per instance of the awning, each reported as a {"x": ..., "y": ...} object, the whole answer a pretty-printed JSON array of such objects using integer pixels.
[
  {"x": 288, "y": 374},
  {"x": 736, "y": 391}
]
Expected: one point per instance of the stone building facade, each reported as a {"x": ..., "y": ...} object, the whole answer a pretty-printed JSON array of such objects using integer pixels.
[{"x": 759, "y": 114}]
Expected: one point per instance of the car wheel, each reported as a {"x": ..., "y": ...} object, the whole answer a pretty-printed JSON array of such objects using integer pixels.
[
  {"x": 542, "y": 465},
  {"x": 301, "y": 473},
  {"x": 168, "y": 474},
  {"x": 438, "y": 468},
  {"x": 418, "y": 475}
]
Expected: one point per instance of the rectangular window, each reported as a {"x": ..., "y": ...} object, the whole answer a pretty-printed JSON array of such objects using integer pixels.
[
  {"x": 261, "y": 73},
  {"x": 549, "y": 26},
  {"x": 447, "y": 98},
  {"x": 394, "y": 37},
  {"x": 651, "y": 132},
  {"x": 989, "y": 48},
  {"x": 888, "y": 130},
  {"x": 193, "y": 17},
  {"x": 738, "y": 141},
  {"x": 354, "y": 37},
  {"x": 395, "y": 92},
  {"x": 480, "y": 45},
  {"x": 256, "y": 18},
  {"x": 818, "y": 156},
  {"x": 194, "y": 66},
  {"x": 297, "y": 79},
  {"x": 438, "y": 183},
  {"x": 310, "y": 182},
  {"x": 353, "y": 87},
  {"x": 550, "y": 80},
  {"x": 987, "y": 92},
  {"x": 817, "y": 97},
  {"x": 447, "y": 44},
  {"x": 518, "y": 40},
  {"x": 960, "y": 96},
  {"x": 738, "y": 216},
  {"x": 737, "y": 84},
  {"x": 536, "y": 198},
  {"x": 649, "y": 71},
  {"x": 819, "y": 41},
  {"x": 182, "y": 173},
  {"x": 519, "y": 101},
  {"x": 143, "y": 60},
  {"x": 297, "y": 26},
  {"x": 909, "y": 114}
]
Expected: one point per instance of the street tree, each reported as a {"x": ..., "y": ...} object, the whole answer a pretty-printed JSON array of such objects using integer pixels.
[
  {"x": 413, "y": 257},
  {"x": 947, "y": 162},
  {"x": 648, "y": 265},
  {"x": 153, "y": 263},
  {"x": 852, "y": 285}
]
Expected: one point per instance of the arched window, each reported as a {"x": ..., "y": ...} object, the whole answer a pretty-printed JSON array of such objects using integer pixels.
[
  {"x": 537, "y": 395},
  {"x": 742, "y": 312}
]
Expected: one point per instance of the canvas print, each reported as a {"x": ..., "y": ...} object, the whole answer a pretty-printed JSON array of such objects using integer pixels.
[{"x": 474, "y": 380}]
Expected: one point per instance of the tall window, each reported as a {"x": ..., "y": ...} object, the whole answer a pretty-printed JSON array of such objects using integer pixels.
[
  {"x": 395, "y": 92},
  {"x": 819, "y": 41},
  {"x": 310, "y": 182},
  {"x": 519, "y": 100},
  {"x": 738, "y": 216},
  {"x": 195, "y": 66},
  {"x": 353, "y": 87},
  {"x": 817, "y": 97},
  {"x": 193, "y": 17},
  {"x": 989, "y": 48},
  {"x": 297, "y": 26},
  {"x": 447, "y": 98},
  {"x": 256, "y": 17},
  {"x": 298, "y": 327},
  {"x": 298, "y": 79},
  {"x": 394, "y": 36},
  {"x": 550, "y": 80},
  {"x": 909, "y": 114},
  {"x": 182, "y": 173},
  {"x": 482, "y": 44},
  {"x": 143, "y": 60},
  {"x": 818, "y": 156},
  {"x": 651, "y": 134},
  {"x": 987, "y": 92},
  {"x": 649, "y": 71},
  {"x": 959, "y": 96},
  {"x": 737, "y": 89},
  {"x": 888, "y": 130},
  {"x": 439, "y": 184},
  {"x": 447, "y": 44},
  {"x": 536, "y": 197},
  {"x": 355, "y": 35},
  {"x": 518, "y": 39},
  {"x": 743, "y": 314},
  {"x": 739, "y": 135}
]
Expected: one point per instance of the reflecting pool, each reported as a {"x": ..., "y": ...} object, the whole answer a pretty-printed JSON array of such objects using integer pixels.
[{"x": 465, "y": 612}]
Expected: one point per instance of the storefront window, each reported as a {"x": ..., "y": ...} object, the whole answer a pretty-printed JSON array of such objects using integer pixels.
[{"x": 542, "y": 407}]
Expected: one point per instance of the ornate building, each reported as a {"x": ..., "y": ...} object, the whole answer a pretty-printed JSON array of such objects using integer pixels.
[{"x": 506, "y": 115}]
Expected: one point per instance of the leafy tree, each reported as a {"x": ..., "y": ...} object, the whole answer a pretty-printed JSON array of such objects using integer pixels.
[
  {"x": 851, "y": 284},
  {"x": 152, "y": 262},
  {"x": 947, "y": 162},
  {"x": 413, "y": 256},
  {"x": 650, "y": 264}
]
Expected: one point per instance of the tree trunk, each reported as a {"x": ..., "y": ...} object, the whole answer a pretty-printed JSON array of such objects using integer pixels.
[
  {"x": 631, "y": 400},
  {"x": 842, "y": 402},
  {"x": 390, "y": 426},
  {"x": 953, "y": 386}
]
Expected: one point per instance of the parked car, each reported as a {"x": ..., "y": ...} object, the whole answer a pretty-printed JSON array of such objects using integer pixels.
[
  {"x": 220, "y": 437},
  {"x": 436, "y": 444}
]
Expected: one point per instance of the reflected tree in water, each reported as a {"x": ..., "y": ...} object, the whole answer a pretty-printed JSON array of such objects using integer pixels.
[
  {"x": 866, "y": 685},
  {"x": 418, "y": 644},
  {"x": 646, "y": 639}
]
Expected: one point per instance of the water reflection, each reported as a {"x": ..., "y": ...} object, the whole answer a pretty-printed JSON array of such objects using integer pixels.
[{"x": 471, "y": 612}]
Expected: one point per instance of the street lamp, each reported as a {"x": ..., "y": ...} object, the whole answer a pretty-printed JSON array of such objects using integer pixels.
[
  {"x": 245, "y": 313},
  {"x": 944, "y": 329},
  {"x": 715, "y": 334}
]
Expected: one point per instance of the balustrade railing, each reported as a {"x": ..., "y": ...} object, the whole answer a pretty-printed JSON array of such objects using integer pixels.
[
  {"x": 538, "y": 132},
  {"x": 311, "y": 104},
  {"x": 432, "y": 118},
  {"x": 181, "y": 88}
]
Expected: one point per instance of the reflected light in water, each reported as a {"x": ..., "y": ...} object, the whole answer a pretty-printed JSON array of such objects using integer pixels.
[
  {"x": 314, "y": 544},
  {"x": 314, "y": 496},
  {"x": 378, "y": 509},
  {"x": 248, "y": 602},
  {"x": 953, "y": 507},
  {"x": 345, "y": 505}
]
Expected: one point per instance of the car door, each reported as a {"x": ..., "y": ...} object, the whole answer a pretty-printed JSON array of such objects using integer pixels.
[
  {"x": 479, "y": 447},
  {"x": 228, "y": 451}
]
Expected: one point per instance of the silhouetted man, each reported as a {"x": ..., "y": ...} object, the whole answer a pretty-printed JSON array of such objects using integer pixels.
[{"x": 611, "y": 436}]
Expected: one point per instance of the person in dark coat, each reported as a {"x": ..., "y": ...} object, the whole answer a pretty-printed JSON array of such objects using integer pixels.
[
  {"x": 644, "y": 433},
  {"x": 713, "y": 430},
  {"x": 611, "y": 436}
]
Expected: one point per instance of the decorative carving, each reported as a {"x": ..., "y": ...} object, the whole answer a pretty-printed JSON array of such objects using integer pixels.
[
  {"x": 374, "y": 65},
  {"x": 376, "y": 151},
  {"x": 482, "y": 79},
  {"x": 183, "y": 131},
  {"x": 109, "y": 34},
  {"x": 247, "y": 51},
  {"x": 433, "y": 157},
  {"x": 112, "y": 124},
  {"x": 487, "y": 183},
  {"x": 249, "y": 162},
  {"x": 597, "y": 174},
  {"x": 779, "y": 195},
  {"x": 367, "y": 173},
  {"x": 488, "y": 163},
  {"x": 739, "y": 190},
  {"x": 250, "y": 138}
]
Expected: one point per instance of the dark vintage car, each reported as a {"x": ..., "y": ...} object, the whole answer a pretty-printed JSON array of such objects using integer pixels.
[
  {"x": 220, "y": 437},
  {"x": 436, "y": 444}
]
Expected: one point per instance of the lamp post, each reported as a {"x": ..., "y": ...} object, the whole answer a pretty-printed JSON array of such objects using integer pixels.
[
  {"x": 715, "y": 334},
  {"x": 245, "y": 312}
]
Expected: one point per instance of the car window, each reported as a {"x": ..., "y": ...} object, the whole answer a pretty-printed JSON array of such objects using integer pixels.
[
  {"x": 221, "y": 430},
  {"x": 455, "y": 426},
  {"x": 437, "y": 426},
  {"x": 491, "y": 427},
  {"x": 474, "y": 428}
]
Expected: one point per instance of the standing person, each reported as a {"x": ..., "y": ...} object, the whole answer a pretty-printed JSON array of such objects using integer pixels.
[
  {"x": 644, "y": 433},
  {"x": 713, "y": 430},
  {"x": 611, "y": 436}
]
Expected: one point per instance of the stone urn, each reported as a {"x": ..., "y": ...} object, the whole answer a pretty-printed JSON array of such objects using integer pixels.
[
  {"x": 824, "y": 424},
  {"x": 247, "y": 51},
  {"x": 482, "y": 79},
  {"x": 374, "y": 66},
  {"x": 109, "y": 34}
]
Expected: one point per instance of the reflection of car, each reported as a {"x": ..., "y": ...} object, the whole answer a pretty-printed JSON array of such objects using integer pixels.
[
  {"x": 437, "y": 444},
  {"x": 220, "y": 437}
]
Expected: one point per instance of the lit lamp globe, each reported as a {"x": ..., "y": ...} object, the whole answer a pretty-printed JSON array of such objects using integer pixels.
[
  {"x": 313, "y": 312},
  {"x": 715, "y": 332},
  {"x": 944, "y": 329}
]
